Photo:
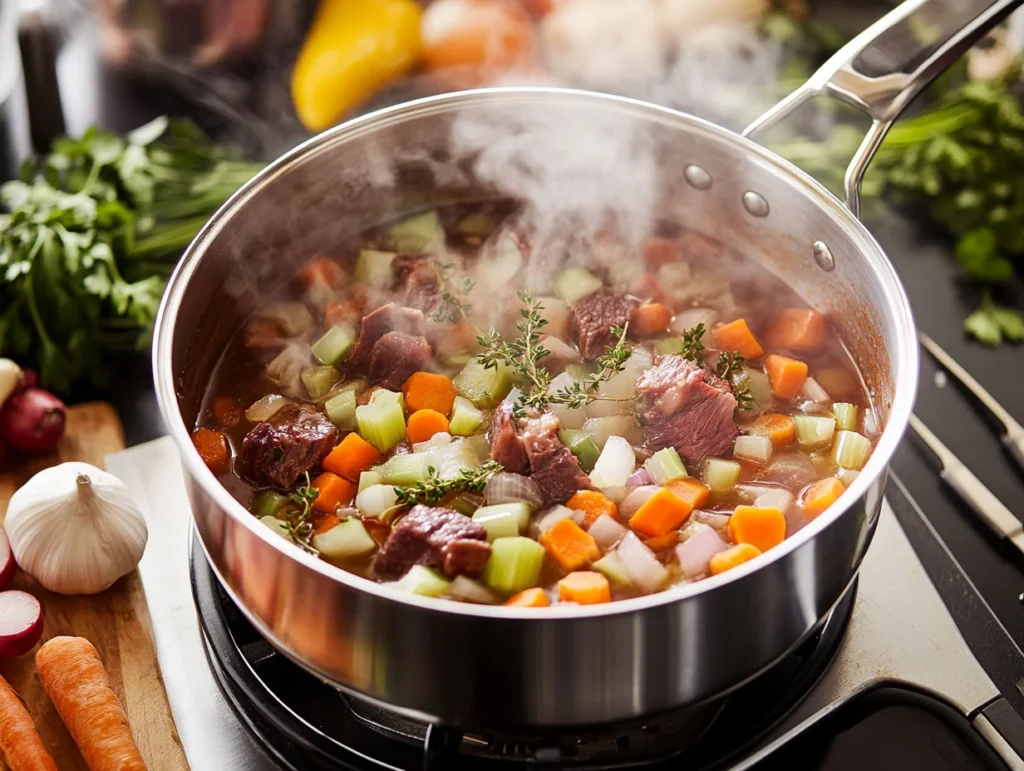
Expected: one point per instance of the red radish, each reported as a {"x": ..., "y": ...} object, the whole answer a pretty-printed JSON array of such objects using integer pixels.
[
  {"x": 7, "y": 564},
  {"x": 32, "y": 421},
  {"x": 21, "y": 622}
]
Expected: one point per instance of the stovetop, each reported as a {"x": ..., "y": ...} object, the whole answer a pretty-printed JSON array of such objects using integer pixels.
[{"x": 889, "y": 682}]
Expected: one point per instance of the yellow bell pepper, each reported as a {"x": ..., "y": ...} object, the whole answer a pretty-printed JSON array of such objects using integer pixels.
[{"x": 353, "y": 48}]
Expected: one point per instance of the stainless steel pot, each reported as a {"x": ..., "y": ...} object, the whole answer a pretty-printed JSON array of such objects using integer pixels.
[{"x": 479, "y": 666}]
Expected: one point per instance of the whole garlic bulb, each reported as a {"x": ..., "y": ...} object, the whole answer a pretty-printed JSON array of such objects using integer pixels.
[{"x": 75, "y": 529}]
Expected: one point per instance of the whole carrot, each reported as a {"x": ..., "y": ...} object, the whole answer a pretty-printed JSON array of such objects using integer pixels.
[
  {"x": 73, "y": 675},
  {"x": 20, "y": 745}
]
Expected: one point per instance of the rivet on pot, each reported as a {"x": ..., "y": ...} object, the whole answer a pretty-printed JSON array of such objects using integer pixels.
[
  {"x": 755, "y": 204},
  {"x": 823, "y": 256},
  {"x": 697, "y": 176}
]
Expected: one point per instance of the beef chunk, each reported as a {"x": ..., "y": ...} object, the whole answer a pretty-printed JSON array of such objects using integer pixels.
[
  {"x": 388, "y": 318},
  {"x": 592, "y": 318},
  {"x": 417, "y": 282},
  {"x": 555, "y": 470},
  {"x": 396, "y": 356},
  {"x": 294, "y": 440},
  {"x": 682, "y": 405},
  {"x": 435, "y": 537},
  {"x": 506, "y": 444}
]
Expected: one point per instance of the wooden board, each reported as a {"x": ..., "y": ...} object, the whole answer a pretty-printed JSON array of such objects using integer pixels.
[{"x": 115, "y": 621}]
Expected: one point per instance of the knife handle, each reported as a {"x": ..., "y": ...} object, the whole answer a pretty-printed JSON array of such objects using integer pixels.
[{"x": 983, "y": 501}]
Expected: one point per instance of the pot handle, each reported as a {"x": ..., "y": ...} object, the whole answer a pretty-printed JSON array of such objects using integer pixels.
[{"x": 882, "y": 69}]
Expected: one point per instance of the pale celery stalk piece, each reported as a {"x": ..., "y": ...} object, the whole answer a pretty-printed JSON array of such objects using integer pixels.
[
  {"x": 382, "y": 421},
  {"x": 424, "y": 582},
  {"x": 320, "y": 380},
  {"x": 847, "y": 416},
  {"x": 665, "y": 465},
  {"x": 344, "y": 540},
  {"x": 582, "y": 446},
  {"x": 573, "y": 284},
  {"x": 419, "y": 234},
  {"x": 514, "y": 565},
  {"x": 484, "y": 387},
  {"x": 332, "y": 346},
  {"x": 721, "y": 475},
  {"x": 813, "y": 431},
  {"x": 369, "y": 479},
  {"x": 613, "y": 568},
  {"x": 404, "y": 470},
  {"x": 503, "y": 520},
  {"x": 466, "y": 418},
  {"x": 341, "y": 410},
  {"x": 851, "y": 450},
  {"x": 279, "y": 526}
]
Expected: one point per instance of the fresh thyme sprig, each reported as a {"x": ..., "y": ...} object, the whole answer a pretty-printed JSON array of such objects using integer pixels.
[
  {"x": 612, "y": 362},
  {"x": 297, "y": 523},
  {"x": 452, "y": 306},
  {"x": 434, "y": 489},
  {"x": 693, "y": 344},
  {"x": 730, "y": 367}
]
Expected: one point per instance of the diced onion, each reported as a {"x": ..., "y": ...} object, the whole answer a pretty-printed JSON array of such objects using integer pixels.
[
  {"x": 569, "y": 418},
  {"x": 625, "y": 426},
  {"x": 346, "y": 539},
  {"x": 636, "y": 498},
  {"x": 559, "y": 349},
  {"x": 870, "y": 424},
  {"x": 775, "y": 498},
  {"x": 293, "y": 317},
  {"x": 606, "y": 532},
  {"x": 264, "y": 408},
  {"x": 718, "y": 521},
  {"x": 696, "y": 551},
  {"x": 545, "y": 520},
  {"x": 640, "y": 478},
  {"x": 470, "y": 590},
  {"x": 556, "y": 313},
  {"x": 616, "y": 464},
  {"x": 812, "y": 391},
  {"x": 504, "y": 487},
  {"x": 688, "y": 319},
  {"x": 757, "y": 449},
  {"x": 642, "y": 566},
  {"x": 374, "y": 500},
  {"x": 437, "y": 440},
  {"x": 286, "y": 368}
]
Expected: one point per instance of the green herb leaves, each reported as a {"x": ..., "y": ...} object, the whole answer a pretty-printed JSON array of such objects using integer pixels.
[
  {"x": 993, "y": 323},
  {"x": 434, "y": 489}
]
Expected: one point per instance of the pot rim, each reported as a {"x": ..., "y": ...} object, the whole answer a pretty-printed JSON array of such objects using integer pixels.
[{"x": 905, "y": 377}]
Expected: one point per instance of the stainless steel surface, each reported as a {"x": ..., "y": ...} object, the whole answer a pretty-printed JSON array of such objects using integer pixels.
[
  {"x": 1013, "y": 436},
  {"x": 984, "y": 726},
  {"x": 881, "y": 70}
]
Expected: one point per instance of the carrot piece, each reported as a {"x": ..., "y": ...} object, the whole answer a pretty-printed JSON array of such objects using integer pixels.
[
  {"x": 662, "y": 542},
  {"x": 325, "y": 523},
  {"x": 227, "y": 411},
  {"x": 332, "y": 491},
  {"x": 691, "y": 490},
  {"x": 732, "y": 557},
  {"x": 821, "y": 495},
  {"x": 351, "y": 457},
  {"x": 72, "y": 673},
  {"x": 736, "y": 336},
  {"x": 658, "y": 251},
  {"x": 798, "y": 329},
  {"x": 320, "y": 270},
  {"x": 569, "y": 545},
  {"x": 529, "y": 598},
  {"x": 20, "y": 745},
  {"x": 593, "y": 504},
  {"x": 786, "y": 375},
  {"x": 423, "y": 424},
  {"x": 213, "y": 449},
  {"x": 662, "y": 512},
  {"x": 427, "y": 391},
  {"x": 763, "y": 527},
  {"x": 779, "y": 428},
  {"x": 585, "y": 587},
  {"x": 650, "y": 319},
  {"x": 263, "y": 333},
  {"x": 338, "y": 313}
]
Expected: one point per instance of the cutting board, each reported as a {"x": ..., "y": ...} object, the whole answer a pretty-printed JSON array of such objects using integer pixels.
[{"x": 115, "y": 621}]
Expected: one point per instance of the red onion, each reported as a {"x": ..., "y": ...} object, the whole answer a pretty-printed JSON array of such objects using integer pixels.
[
  {"x": 695, "y": 552},
  {"x": 32, "y": 421},
  {"x": 640, "y": 478},
  {"x": 642, "y": 566},
  {"x": 718, "y": 522},
  {"x": 606, "y": 532},
  {"x": 504, "y": 487},
  {"x": 636, "y": 498}
]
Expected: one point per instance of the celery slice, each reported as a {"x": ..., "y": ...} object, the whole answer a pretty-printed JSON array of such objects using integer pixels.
[
  {"x": 847, "y": 416},
  {"x": 374, "y": 268},
  {"x": 582, "y": 446},
  {"x": 424, "y": 582},
  {"x": 847, "y": 476},
  {"x": 669, "y": 345},
  {"x": 574, "y": 284},
  {"x": 503, "y": 520},
  {"x": 665, "y": 465},
  {"x": 319, "y": 381},
  {"x": 479, "y": 224},
  {"x": 851, "y": 450},
  {"x": 280, "y": 527},
  {"x": 369, "y": 479},
  {"x": 466, "y": 419},
  {"x": 613, "y": 568},
  {"x": 333, "y": 344},
  {"x": 483, "y": 386},
  {"x": 341, "y": 410},
  {"x": 721, "y": 475},
  {"x": 346, "y": 539},
  {"x": 404, "y": 469},
  {"x": 514, "y": 565},
  {"x": 267, "y": 503},
  {"x": 417, "y": 234},
  {"x": 814, "y": 430},
  {"x": 382, "y": 421}
]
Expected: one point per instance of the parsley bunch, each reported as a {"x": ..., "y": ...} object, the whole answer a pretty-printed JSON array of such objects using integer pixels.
[{"x": 90, "y": 234}]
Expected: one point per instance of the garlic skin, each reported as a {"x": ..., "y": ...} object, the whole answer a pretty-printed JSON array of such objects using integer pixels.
[
  {"x": 75, "y": 529},
  {"x": 10, "y": 376}
]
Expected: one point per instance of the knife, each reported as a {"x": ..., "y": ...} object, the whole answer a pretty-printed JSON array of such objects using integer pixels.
[
  {"x": 985, "y": 504},
  {"x": 1013, "y": 437}
]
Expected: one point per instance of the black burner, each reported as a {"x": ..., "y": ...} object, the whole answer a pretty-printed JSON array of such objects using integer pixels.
[{"x": 306, "y": 724}]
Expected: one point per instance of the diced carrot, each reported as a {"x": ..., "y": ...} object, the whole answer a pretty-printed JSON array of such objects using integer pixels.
[
  {"x": 569, "y": 545},
  {"x": 427, "y": 391},
  {"x": 325, "y": 523},
  {"x": 836, "y": 380},
  {"x": 760, "y": 526},
  {"x": 820, "y": 496},
  {"x": 423, "y": 424},
  {"x": 663, "y": 542},
  {"x": 593, "y": 504},
  {"x": 585, "y": 587},
  {"x": 333, "y": 491},
  {"x": 732, "y": 557},
  {"x": 779, "y": 428},
  {"x": 263, "y": 333},
  {"x": 650, "y": 319},
  {"x": 662, "y": 512},
  {"x": 798, "y": 329},
  {"x": 351, "y": 457},
  {"x": 786, "y": 375},
  {"x": 529, "y": 598},
  {"x": 322, "y": 270},
  {"x": 691, "y": 490},
  {"x": 736, "y": 336},
  {"x": 227, "y": 411},
  {"x": 213, "y": 449},
  {"x": 658, "y": 251},
  {"x": 338, "y": 313}
]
